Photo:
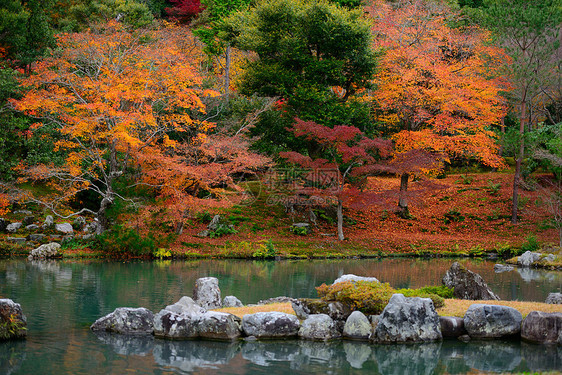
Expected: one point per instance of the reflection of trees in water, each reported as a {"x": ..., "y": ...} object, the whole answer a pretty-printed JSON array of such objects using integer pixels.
[{"x": 12, "y": 355}]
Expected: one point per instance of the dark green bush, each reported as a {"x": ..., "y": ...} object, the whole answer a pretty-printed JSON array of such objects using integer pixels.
[{"x": 125, "y": 242}]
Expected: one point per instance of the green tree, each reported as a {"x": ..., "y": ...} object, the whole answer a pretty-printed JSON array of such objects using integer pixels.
[
  {"x": 529, "y": 31},
  {"x": 314, "y": 54}
]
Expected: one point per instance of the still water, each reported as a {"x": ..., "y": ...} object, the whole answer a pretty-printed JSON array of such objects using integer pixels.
[{"x": 62, "y": 298}]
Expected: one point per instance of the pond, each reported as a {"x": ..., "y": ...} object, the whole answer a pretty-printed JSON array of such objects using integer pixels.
[{"x": 62, "y": 298}]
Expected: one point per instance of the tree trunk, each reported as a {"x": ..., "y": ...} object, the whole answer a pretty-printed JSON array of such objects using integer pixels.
[
  {"x": 103, "y": 220},
  {"x": 340, "y": 220},
  {"x": 403, "y": 210},
  {"x": 227, "y": 72},
  {"x": 517, "y": 175}
]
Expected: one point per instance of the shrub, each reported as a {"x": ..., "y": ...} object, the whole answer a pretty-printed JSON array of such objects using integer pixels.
[
  {"x": 125, "y": 242},
  {"x": 531, "y": 244},
  {"x": 265, "y": 251},
  {"x": 222, "y": 230}
]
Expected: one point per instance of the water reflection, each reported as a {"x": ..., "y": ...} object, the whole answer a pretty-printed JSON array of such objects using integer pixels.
[
  {"x": 12, "y": 355},
  {"x": 447, "y": 357}
]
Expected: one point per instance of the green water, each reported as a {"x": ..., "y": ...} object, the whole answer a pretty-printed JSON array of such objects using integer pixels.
[{"x": 61, "y": 299}]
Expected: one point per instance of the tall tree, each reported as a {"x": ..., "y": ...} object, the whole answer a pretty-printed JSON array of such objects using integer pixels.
[
  {"x": 437, "y": 91},
  {"x": 116, "y": 97},
  {"x": 529, "y": 30}
]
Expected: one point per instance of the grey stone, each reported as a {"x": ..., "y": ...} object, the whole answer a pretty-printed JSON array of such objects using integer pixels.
[
  {"x": 304, "y": 307},
  {"x": 13, "y": 324},
  {"x": 467, "y": 284},
  {"x": 19, "y": 240},
  {"x": 492, "y": 321},
  {"x": 528, "y": 258},
  {"x": 49, "y": 222},
  {"x": 357, "y": 326},
  {"x": 79, "y": 223},
  {"x": 408, "y": 319},
  {"x": 215, "y": 223},
  {"x": 13, "y": 228},
  {"x": 186, "y": 305},
  {"x": 32, "y": 227},
  {"x": 319, "y": 327},
  {"x": 281, "y": 299},
  {"x": 452, "y": 326},
  {"x": 28, "y": 220},
  {"x": 23, "y": 212},
  {"x": 88, "y": 236},
  {"x": 64, "y": 228},
  {"x": 168, "y": 324},
  {"x": 549, "y": 258},
  {"x": 554, "y": 298},
  {"x": 219, "y": 325},
  {"x": 231, "y": 301},
  {"x": 270, "y": 325},
  {"x": 126, "y": 320},
  {"x": 49, "y": 250},
  {"x": 499, "y": 268},
  {"x": 204, "y": 233},
  {"x": 206, "y": 293},
  {"x": 354, "y": 279},
  {"x": 542, "y": 327},
  {"x": 36, "y": 237}
]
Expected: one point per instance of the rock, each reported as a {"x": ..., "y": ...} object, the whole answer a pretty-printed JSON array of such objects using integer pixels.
[
  {"x": 18, "y": 240},
  {"x": 49, "y": 250},
  {"x": 92, "y": 227},
  {"x": 542, "y": 327},
  {"x": 88, "y": 236},
  {"x": 554, "y": 298},
  {"x": 23, "y": 212},
  {"x": 270, "y": 325},
  {"x": 354, "y": 278},
  {"x": 452, "y": 326},
  {"x": 548, "y": 258},
  {"x": 28, "y": 220},
  {"x": 13, "y": 324},
  {"x": 304, "y": 307},
  {"x": 48, "y": 223},
  {"x": 467, "y": 284},
  {"x": 171, "y": 325},
  {"x": 206, "y": 293},
  {"x": 202, "y": 234},
  {"x": 79, "y": 223},
  {"x": 492, "y": 321},
  {"x": 231, "y": 301},
  {"x": 37, "y": 237},
  {"x": 31, "y": 227},
  {"x": 357, "y": 327},
  {"x": 408, "y": 319},
  {"x": 215, "y": 223},
  {"x": 528, "y": 258},
  {"x": 499, "y": 268},
  {"x": 186, "y": 306},
  {"x": 126, "y": 320},
  {"x": 219, "y": 325},
  {"x": 319, "y": 327},
  {"x": 3, "y": 224},
  {"x": 65, "y": 228},
  {"x": 13, "y": 228},
  {"x": 281, "y": 299}
]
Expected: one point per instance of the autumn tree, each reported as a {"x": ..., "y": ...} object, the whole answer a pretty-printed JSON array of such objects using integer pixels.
[
  {"x": 344, "y": 152},
  {"x": 116, "y": 97},
  {"x": 529, "y": 31},
  {"x": 314, "y": 55},
  {"x": 437, "y": 88},
  {"x": 184, "y": 10}
]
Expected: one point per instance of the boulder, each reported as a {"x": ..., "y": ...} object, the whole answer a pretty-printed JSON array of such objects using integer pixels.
[
  {"x": 452, "y": 326},
  {"x": 186, "y": 306},
  {"x": 49, "y": 250},
  {"x": 79, "y": 223},
  {"x": 37, "y": 237},
  {"x": 13, "y": 228},
  {"x": 357, "y": 327},
  {"x": 32, "y": 227},
  {"x": 408, "y": 319},
  {"x": 3, "y": 224},
  {"x": 319, "y": 327},
  {"x": 65, "y": 228},
  {"x": 554, "y": 298},
  {"x": 23, "y": 212},
  {"x": 126, "y": 320},
  {"x": 206, "y": 293},
  {"x": 13, "y": 324},
  {"x": 542, "y": 327},
  {"x": 48, "y": 223},
  {"x": 528, "y": 258},
  {"x": 28, "y": 220},
  {"x": 231, "y": 301},
  {"x": 492, "y": 321},
  {"x": 19, "y": 240},
  {"x": 354, "y": 278},
  {"x": 499, "y": 268},
  {"x": 270, "y": 325},
  {"x": 171, "y": 325},
  {"x": 467, "y": 284},
  {"x": 219, "y": 325},
  {"x": 304, "y": 307}
]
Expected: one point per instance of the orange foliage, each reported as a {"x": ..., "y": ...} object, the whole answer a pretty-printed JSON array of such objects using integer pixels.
[{"x": 437, "y": 88}]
